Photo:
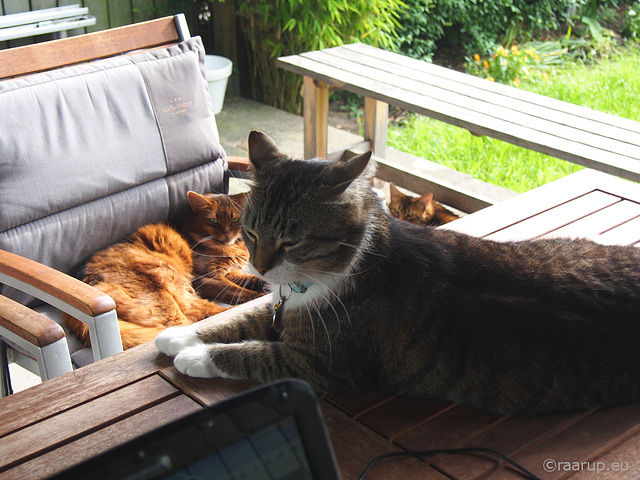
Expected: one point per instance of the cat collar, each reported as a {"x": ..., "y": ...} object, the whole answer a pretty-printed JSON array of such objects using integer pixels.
[
  {"x": 299, "y": 287},
  {"x": 278, "y": 308}
]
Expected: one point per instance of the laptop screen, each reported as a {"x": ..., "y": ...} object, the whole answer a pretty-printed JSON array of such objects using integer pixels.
[
  {"x": 275, "y": 452},
  {"x": 273, "y": 432}
]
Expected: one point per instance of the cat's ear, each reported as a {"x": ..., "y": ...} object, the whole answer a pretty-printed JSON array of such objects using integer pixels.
[
  {"x": 239, "y": 199},
  {"x": 395, "y": 194},
  {"x": 262, "y": 151},
  {"x": 197, "y": 201},
  {"x": 341, "y": 174},
  {"x": 425, "y": 200}
]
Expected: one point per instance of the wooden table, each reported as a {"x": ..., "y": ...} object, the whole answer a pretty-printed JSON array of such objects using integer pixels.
[
  {"x": 577, "y": 134},
  {"x": 65, "y": 420}
]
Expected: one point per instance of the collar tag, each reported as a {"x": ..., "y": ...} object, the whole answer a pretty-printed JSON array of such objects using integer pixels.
[{"x": 300, "y": 287}]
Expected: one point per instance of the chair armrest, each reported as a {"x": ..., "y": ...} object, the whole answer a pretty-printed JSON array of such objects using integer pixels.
[
  {"x": 40, "y": 337},
  {"x": 239, "y": 164},
  {"x": 82, "y": 301},
  {"x": 27, "y": 324},
  {"x": 21, "y": 272}
]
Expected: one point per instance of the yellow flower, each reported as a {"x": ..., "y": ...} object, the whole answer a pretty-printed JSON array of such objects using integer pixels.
[
  {"x": 486, "y": 64},
  {"x": 476, "y": 57},
  {"x": 516, "y": 81},
  {"x": 514, "y": 50},
  {"x": 502, "y": 51},
  {"x": 491, "y": 79}
]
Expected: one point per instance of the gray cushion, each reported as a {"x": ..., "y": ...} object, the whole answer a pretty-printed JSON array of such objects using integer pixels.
[{"x": 91, "y": 152}]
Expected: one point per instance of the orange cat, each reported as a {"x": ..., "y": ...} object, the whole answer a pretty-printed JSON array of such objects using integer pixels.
[
  {"x": 214, "y": 231},
  {"x": 149, "y": 277},
  {"x": 418, "y": 210}
]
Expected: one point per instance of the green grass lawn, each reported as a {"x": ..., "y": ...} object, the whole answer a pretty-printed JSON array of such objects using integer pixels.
[{"x": 611, "y": 86}]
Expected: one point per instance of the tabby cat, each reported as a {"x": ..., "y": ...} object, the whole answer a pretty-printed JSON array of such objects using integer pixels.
[
  {"x": 149, "y": 277},
  {"x": 418, "y": 210},
  {"x": 367, "y": 303},
  {"x": 214, "y": 231}
]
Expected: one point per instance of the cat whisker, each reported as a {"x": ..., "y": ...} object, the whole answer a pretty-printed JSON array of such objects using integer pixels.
[
  {"x": 326, "y": 329},
  {"x": 210, "y": 275},
  {"x": 327, "y": 289},
  {"x": 360, "y": 249},
  {"x": 208, "y": 237},
  {"x": 313, "y": 328},
  {"x": 205, "y": 255}
]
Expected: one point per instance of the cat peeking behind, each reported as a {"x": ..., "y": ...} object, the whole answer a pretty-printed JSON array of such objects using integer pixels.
[
  {"x": 150, "y": 275},
  {"x": 423, "y": 210},
  {"x": 368, "y": 303}
]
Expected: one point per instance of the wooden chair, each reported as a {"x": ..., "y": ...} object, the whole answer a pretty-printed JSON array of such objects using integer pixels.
[{"x": 31, "y": 335}]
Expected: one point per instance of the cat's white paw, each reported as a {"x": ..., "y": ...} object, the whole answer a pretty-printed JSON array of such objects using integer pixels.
[
  {"x": 175, "y": 339},
  {"x": 195, "y": 362}
]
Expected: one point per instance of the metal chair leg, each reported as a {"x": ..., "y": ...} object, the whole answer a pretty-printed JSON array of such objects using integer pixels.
[{"x": 5, "y": 377}]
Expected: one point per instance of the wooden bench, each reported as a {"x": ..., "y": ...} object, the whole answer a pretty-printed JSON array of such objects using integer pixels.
[
  {"x": 57, "y": 20},
  {"x": 577, "y": 134}
]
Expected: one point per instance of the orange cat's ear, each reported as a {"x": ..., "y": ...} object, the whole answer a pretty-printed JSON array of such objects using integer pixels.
[
  {"x": 425, "y": 200},
  {"x": 238, "y": 200},
  {"x": 196, "y": 200},
  {"x": 395, "y": 194}
]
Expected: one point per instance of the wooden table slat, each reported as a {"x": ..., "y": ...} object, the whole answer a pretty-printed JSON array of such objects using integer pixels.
[
  {"x": 453, "y": 427},
  {"x": 481, "y": 84},
  {"x": 526, "y": 113},
  {"x": 627, "y": 234},
  {"x": 515, "y": 434},
  {"x": 205, "y": 391},
  {"x": 60, "y": 429},
  {"x": 402, "y": 414},
  {"x": 593, "y": 436},
  {"x": 356, "y": 405},
  {"x": 620, "y": 463},
  {"x": 536, "y": 202},
  {"x": 355, "y": 448},
  {"x": 111, "y": 436},
  {"x": 599, "y": 222},
  {"x": 557, "y": 217},
  {"x": 127, "y": 367}
]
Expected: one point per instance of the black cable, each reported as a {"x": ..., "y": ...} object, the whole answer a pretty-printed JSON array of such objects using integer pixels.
[{"x": 449, "y": 451}]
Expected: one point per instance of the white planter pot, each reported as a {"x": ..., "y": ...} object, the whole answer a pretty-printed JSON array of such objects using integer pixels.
[{"x": 218, "y": 73}]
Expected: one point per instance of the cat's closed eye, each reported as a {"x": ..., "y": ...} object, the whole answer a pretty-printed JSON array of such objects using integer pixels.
[
  {"x": 284, "y": 245},
  {"x": 253, "y": 236}
]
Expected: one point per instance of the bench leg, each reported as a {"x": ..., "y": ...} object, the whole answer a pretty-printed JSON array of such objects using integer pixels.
[
  {"x": 376, "y": 117},
  {"x": 316, "y": 118}
]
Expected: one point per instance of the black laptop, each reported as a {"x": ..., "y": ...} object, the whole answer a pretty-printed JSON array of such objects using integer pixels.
[{"x": 272, "y": 432}]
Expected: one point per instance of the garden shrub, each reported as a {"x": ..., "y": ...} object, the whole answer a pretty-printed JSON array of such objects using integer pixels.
[
  {"x": 477, "y": 26},
  {"x": 631, "y": 28},
  {"x": 283, "y": 27}
]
